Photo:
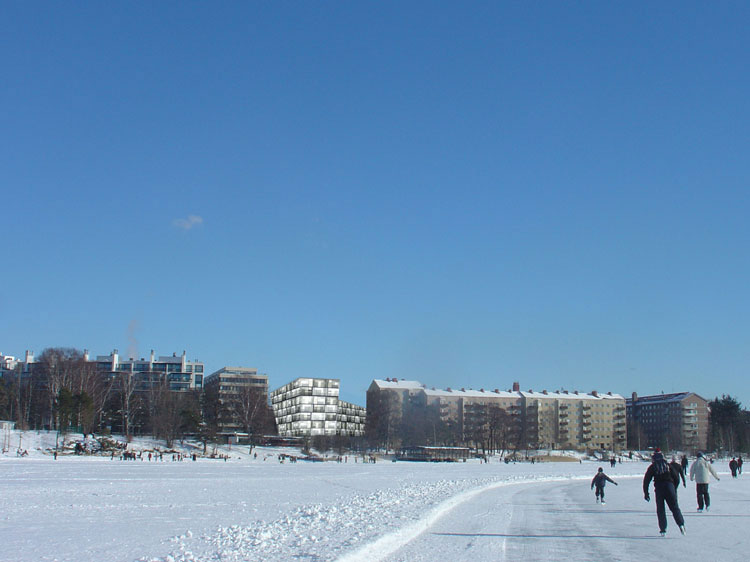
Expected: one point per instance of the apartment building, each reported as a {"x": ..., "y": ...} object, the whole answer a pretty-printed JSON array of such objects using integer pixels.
[
  {"x": 560, "y": 419},
  {"x": 243, "y": 393},
  {"x": 176, "y": 371},
  {"x": 311, "y": 406},
  {"x": 670, "y": 421}
]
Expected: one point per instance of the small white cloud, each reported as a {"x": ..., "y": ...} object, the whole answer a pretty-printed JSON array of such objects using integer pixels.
[{"x": 188, "y": 223}]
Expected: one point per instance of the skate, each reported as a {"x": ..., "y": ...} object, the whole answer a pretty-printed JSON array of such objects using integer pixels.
[
  {"x": 700, "y": 510},
  {"x": 663, "y": 533},
  {"x": 682, "y": 529},
  {"x": 603, "y": 502}
]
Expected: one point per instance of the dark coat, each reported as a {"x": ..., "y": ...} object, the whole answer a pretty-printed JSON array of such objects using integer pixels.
[
  {"x": 678, "y": 467},
  {"x": 670, "y": 475},
  {"x": 601, "y": 479}
]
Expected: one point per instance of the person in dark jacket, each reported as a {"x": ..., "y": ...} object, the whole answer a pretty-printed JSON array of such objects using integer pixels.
[
  {"x": 678, "y": 467},
  {"x": 739, "y": 464},
  {"x": 733, "y": 467},
  {"x": 684, "y": 463},
  {"x": 599, "y": 481},
  {"x": 666, "y": 479}
]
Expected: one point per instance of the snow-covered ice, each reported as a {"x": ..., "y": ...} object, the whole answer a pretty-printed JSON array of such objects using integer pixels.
[{"x": 89, "y": 509}]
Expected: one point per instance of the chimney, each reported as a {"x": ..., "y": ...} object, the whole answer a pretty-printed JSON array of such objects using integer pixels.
[
  {"x": 531, "y": 391},
  {"x": 449, "y": 389},
  {"x": 595, "y": 393},
  {"x": 86, "y": 355},
  {"x": 497, "y": 391},
  {"x": 609, "y": 393},
  {"x": 516, "y": 387},
  {"x": 481, "y": 390},
  {"x": 29, "y": 356},
  {"x": 544, "y": 391},
  {"x": 635, "y": 397},
  {"x": 575, "y": 392},
  {"x": 463, "y": 389}
]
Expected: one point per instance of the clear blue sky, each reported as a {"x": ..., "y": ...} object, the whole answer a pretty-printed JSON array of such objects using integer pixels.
[{"x": 462, "y": 194}]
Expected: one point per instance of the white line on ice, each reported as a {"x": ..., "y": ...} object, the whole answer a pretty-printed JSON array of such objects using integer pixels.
[{"x": 388, "y": 544}]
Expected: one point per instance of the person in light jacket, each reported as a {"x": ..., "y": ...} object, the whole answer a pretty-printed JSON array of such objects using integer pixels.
[{"x": 700, "y": 471}]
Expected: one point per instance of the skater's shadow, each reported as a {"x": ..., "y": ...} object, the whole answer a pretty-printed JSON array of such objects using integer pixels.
[
  {"x": 712, "y": 515},
  {"x": 509, "y": 536},
  {"x": 604, "y": 511}
]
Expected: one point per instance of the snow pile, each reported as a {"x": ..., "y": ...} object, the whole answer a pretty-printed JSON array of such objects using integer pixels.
[
  {"x": 325, "y": 531},
  {"x": 319, "y": 531}
]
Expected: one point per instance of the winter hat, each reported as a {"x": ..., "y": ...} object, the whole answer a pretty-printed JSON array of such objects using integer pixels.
[
  {"x": 659, "y": 462},
  {"x": 700, "y": 455},
  {"x": 601, "y": 469}
]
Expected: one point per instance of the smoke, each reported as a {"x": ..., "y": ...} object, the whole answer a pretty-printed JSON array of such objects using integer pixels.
[{"x": 132, "y": 340}]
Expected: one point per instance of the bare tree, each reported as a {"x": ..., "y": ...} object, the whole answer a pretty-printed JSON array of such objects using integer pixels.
[
  {"x": 54, "y": 371},
  {"x": 248, "y": 406},
  {"x": 126, "y": 385},
  {"x": 383, "y": 419},
  {"x": 502, "y": 428}
]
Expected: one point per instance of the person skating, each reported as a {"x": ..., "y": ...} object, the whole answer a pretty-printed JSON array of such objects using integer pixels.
[
  {"x": 700, "y": 471},
  {"x": 666, "y": 479},
  {"x": 684, "y": 463},
  {"x": 739, "y": 464},
  {"x": 733, "y": 467},
  {"x": 599, "y": 481},
  {"x": 678, "y": 467}
]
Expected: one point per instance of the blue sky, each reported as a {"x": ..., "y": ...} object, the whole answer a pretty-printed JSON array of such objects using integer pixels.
[{"x": 462, "y": 194}]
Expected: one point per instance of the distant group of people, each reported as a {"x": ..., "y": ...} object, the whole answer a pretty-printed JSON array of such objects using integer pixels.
[
  {"x": 735, "y": 466},
  {"x": 667, "y": 477},
  {"x": 157, "y": 456}
]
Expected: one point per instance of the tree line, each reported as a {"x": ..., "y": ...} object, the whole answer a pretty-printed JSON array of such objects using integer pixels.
[
  {"x": 392, "y": 424},
  {"x": 64, "y": 392}
]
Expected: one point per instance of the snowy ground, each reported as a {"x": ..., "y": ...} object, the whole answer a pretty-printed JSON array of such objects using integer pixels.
[{"x": 89, "y": 509}]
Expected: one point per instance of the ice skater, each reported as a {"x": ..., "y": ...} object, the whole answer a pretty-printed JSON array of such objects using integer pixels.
[
  {"x": 700, "y": 471},
  {"x": 666, "y": 479},
  {"x": 600, "y": 480},
  {"x": 678, "y": 467}
]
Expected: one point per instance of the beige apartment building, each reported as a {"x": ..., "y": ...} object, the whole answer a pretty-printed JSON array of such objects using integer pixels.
[{"x": 554, "y": 420}]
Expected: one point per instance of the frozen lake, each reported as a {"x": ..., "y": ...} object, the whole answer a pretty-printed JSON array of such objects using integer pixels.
[{"x": 84, "y": 509}]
